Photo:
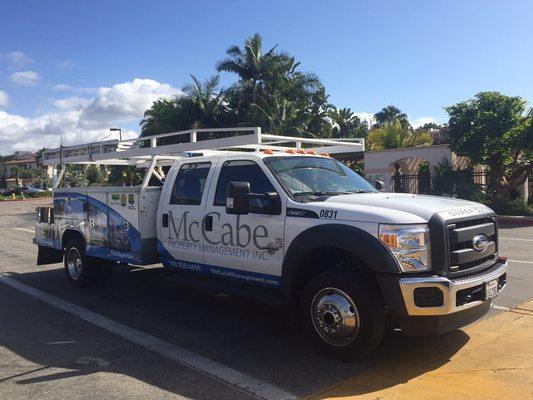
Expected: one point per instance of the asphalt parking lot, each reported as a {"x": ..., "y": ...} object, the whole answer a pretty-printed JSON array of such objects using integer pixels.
[{"x": 128, "y": 339}]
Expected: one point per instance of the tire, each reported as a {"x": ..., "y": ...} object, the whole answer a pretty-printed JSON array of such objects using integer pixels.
[
  {"x": 341, "y": 314},
  {"x": 81, "y": 270}
]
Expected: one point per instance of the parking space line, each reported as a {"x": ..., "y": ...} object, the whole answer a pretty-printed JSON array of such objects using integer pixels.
[
  {"x": 521, "y": 261},
  {"x": 180, "y": 355},
  {"x": 502, "y": 308},
  {"x": 25, "y": 230},
  {"x": 520, "y": 240}
]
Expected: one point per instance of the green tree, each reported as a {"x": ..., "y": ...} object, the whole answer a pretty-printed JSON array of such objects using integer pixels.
[
  {"x": 41, "y": 178},
  {"x": 389, "y": 136},
  {"x": 493, "y": 130},
  {"x": 94, "y": 175},
  {"x": 249, "y": 63},
  {"x": 348, "y": 125},
  {"x": 390, "y": 114},
  {"x": 418, "y": 138},
  {"x": 74, "y": 176}
]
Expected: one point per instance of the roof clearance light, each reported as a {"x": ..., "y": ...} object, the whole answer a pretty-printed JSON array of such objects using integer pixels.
[
  {"x": 310, "y": 152},
  {"x": 301, "y": 151},
  {"x": 268, "y": 151},
  {"x": 324, "y": 154},
  {"x": 291, "y": 151}
]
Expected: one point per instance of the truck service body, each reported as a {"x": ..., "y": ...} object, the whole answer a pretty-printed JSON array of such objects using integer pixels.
[{"x": 346, "y": 257}]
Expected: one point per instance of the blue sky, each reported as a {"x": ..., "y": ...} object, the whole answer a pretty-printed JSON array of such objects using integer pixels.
[{"x": 79, "y": 67}]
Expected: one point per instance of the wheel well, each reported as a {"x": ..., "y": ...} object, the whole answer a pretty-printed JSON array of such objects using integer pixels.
[
  {"x": 71, "y": 234},
  {"x": 323, "y": 259}
]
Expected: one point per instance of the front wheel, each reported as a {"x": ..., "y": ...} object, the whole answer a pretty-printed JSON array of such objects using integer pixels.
[{"x": 341, "y": 314}]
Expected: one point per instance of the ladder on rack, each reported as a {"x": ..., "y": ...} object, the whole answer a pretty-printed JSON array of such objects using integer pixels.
[{"x": 142, "y": 149}]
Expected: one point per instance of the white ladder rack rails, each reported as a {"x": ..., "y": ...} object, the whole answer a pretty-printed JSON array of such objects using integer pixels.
[{"x": 132, "y": 151}]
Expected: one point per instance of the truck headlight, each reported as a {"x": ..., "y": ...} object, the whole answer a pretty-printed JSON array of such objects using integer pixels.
[{"x": 409, "y": 244}]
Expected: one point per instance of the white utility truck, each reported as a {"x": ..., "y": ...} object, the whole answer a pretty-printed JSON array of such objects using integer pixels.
[{"x": 255, "y": 212}]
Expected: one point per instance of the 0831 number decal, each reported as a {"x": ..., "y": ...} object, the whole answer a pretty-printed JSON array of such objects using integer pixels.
[{"x": 329, "y": 214}]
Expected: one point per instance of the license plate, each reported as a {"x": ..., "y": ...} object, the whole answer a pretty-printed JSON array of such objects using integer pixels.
[{"x": 491, "y": 289}]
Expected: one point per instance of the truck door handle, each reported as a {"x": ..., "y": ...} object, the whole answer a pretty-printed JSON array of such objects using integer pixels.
[
  {"x": 208, "y": 222},
  {"x": 164, "y": 221}
]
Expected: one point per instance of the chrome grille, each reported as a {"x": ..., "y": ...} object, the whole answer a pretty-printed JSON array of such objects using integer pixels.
[{"x": 463, "y": 258}]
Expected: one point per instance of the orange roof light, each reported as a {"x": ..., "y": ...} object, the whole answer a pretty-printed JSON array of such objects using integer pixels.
[
  {"x": 310, "y": 152},
  {"x": 324, "y": 154},
  {"x": 301, "y": 151},
  {"x": 268, "y": 151},
  {"x": 291, "y": 151}
]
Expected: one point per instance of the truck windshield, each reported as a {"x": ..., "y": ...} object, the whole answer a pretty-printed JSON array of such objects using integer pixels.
[{"x": 316, "y": 176}]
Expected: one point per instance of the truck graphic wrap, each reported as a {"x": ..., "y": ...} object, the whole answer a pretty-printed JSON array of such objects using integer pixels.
[
  {"x": 234, "y": 274},
  {"x": 107, "y": 233}
]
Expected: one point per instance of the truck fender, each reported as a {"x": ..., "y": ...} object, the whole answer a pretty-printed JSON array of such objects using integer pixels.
[
  {"x": 376, "y": 256},
  {"x": 70, "y": 233}
]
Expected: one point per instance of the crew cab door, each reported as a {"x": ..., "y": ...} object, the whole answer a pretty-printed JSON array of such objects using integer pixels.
[
  {"x": 180, "y": 215},
  {"x": 247, "y": 248}
]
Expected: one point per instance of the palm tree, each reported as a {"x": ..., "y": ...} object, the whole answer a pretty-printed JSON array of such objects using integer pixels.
[
  {"x": 389, "y": 114},
  {"x": 348, "y": 123},
  {"x": 206, "y": 95},
  {"x": 389, "y": 136},
  {"x": 249, "y": 62}
]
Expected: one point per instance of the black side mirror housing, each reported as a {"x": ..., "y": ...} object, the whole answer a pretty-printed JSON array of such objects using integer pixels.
[
  {"x": 238, "y": 199},
  {"x": 379, "y": 185}
]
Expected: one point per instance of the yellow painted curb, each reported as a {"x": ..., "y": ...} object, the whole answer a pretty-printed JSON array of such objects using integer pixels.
[{"x": 492, "y": 359}]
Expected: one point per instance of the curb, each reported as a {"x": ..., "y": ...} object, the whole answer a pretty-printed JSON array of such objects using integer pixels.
[
  {"x": 520, "y": 220},
  {"x": 29, "y": 199}
]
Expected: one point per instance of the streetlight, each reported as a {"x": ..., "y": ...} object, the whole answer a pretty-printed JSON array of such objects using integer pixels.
[{"x": 119, "y": 132}]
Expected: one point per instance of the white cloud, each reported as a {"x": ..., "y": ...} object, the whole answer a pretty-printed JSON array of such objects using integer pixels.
[
  {"x": 4, "y": 99},
  {"x": 65, "y": 64},
  {"x": 82, "y": 120},
  {"x": 25, "y": 78},
  {"x": 74, "y": 89},
  {"x": 123, "y": 101},
  {"x": 422, "y": 121},
  {"x": 18, "y": 59},
  {"x": 61, "y": 88}
]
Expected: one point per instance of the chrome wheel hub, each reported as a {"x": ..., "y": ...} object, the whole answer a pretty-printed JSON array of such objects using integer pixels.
[
  {"x": 74, "y": 263},
  {"x": 335, "y": 316}
]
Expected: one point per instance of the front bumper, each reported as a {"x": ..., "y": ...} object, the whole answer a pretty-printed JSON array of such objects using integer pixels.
[
  {"x": 460, "y": 301},
  {"x": 450, "y": 289}
]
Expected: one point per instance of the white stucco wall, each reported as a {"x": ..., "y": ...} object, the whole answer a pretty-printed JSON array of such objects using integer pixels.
[{"x": 379, "y": 164}]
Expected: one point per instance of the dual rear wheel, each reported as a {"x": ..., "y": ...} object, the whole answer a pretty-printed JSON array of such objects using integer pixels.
[{"x": 82, "y": 270}]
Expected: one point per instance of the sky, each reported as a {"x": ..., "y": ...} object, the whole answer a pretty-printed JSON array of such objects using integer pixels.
[{"x": 76, "y": 68}]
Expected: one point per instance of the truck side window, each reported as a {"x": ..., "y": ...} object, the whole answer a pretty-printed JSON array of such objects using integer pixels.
[
  {"x": 242, "y": 171},
  {"x": 189, "y": 184}
]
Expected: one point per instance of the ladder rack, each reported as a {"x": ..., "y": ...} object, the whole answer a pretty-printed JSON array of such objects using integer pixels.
[{"x": 141, "y": 151}]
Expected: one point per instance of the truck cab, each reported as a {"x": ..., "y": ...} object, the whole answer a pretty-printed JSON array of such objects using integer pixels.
[{"x": 347, "y": 259}]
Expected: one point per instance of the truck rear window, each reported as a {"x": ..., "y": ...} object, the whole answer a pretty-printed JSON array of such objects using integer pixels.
[{"x": 189, "y": 184}]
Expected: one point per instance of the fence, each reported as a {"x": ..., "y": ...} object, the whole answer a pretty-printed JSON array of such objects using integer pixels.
[{"x": 421, "y": 183}]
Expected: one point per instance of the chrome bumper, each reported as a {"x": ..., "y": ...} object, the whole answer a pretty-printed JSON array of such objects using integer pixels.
[{"x": 449, "y": 288}]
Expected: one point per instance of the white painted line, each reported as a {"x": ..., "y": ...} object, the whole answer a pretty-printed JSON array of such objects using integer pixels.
[
  {"x": 185, "y": 357},
  {"x": 25, "y": 230},
  {"x": 520, "y": 261},
  {"x": 520, "y": 240},
  {"x": 503, "y": 308}
]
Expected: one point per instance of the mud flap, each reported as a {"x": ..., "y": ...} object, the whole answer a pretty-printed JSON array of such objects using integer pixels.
[{"x": 47, "y": 255}]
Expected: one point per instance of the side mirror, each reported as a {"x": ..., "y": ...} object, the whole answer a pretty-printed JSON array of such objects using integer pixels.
[
  {"x": 238, "y": 200},
  {"x": 379, "y": 185}
]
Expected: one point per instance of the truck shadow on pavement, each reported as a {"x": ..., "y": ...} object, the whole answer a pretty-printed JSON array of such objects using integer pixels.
[{"x": 251, "y": 337}]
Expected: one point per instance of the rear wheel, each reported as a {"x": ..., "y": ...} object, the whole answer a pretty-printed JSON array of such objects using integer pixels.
[
  {"x": 81, "y": 270},
  {"x": 341, "y": 314}
]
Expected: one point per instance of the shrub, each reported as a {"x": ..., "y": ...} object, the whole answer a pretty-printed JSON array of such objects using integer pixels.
[{"x": 512, "y": 207}]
